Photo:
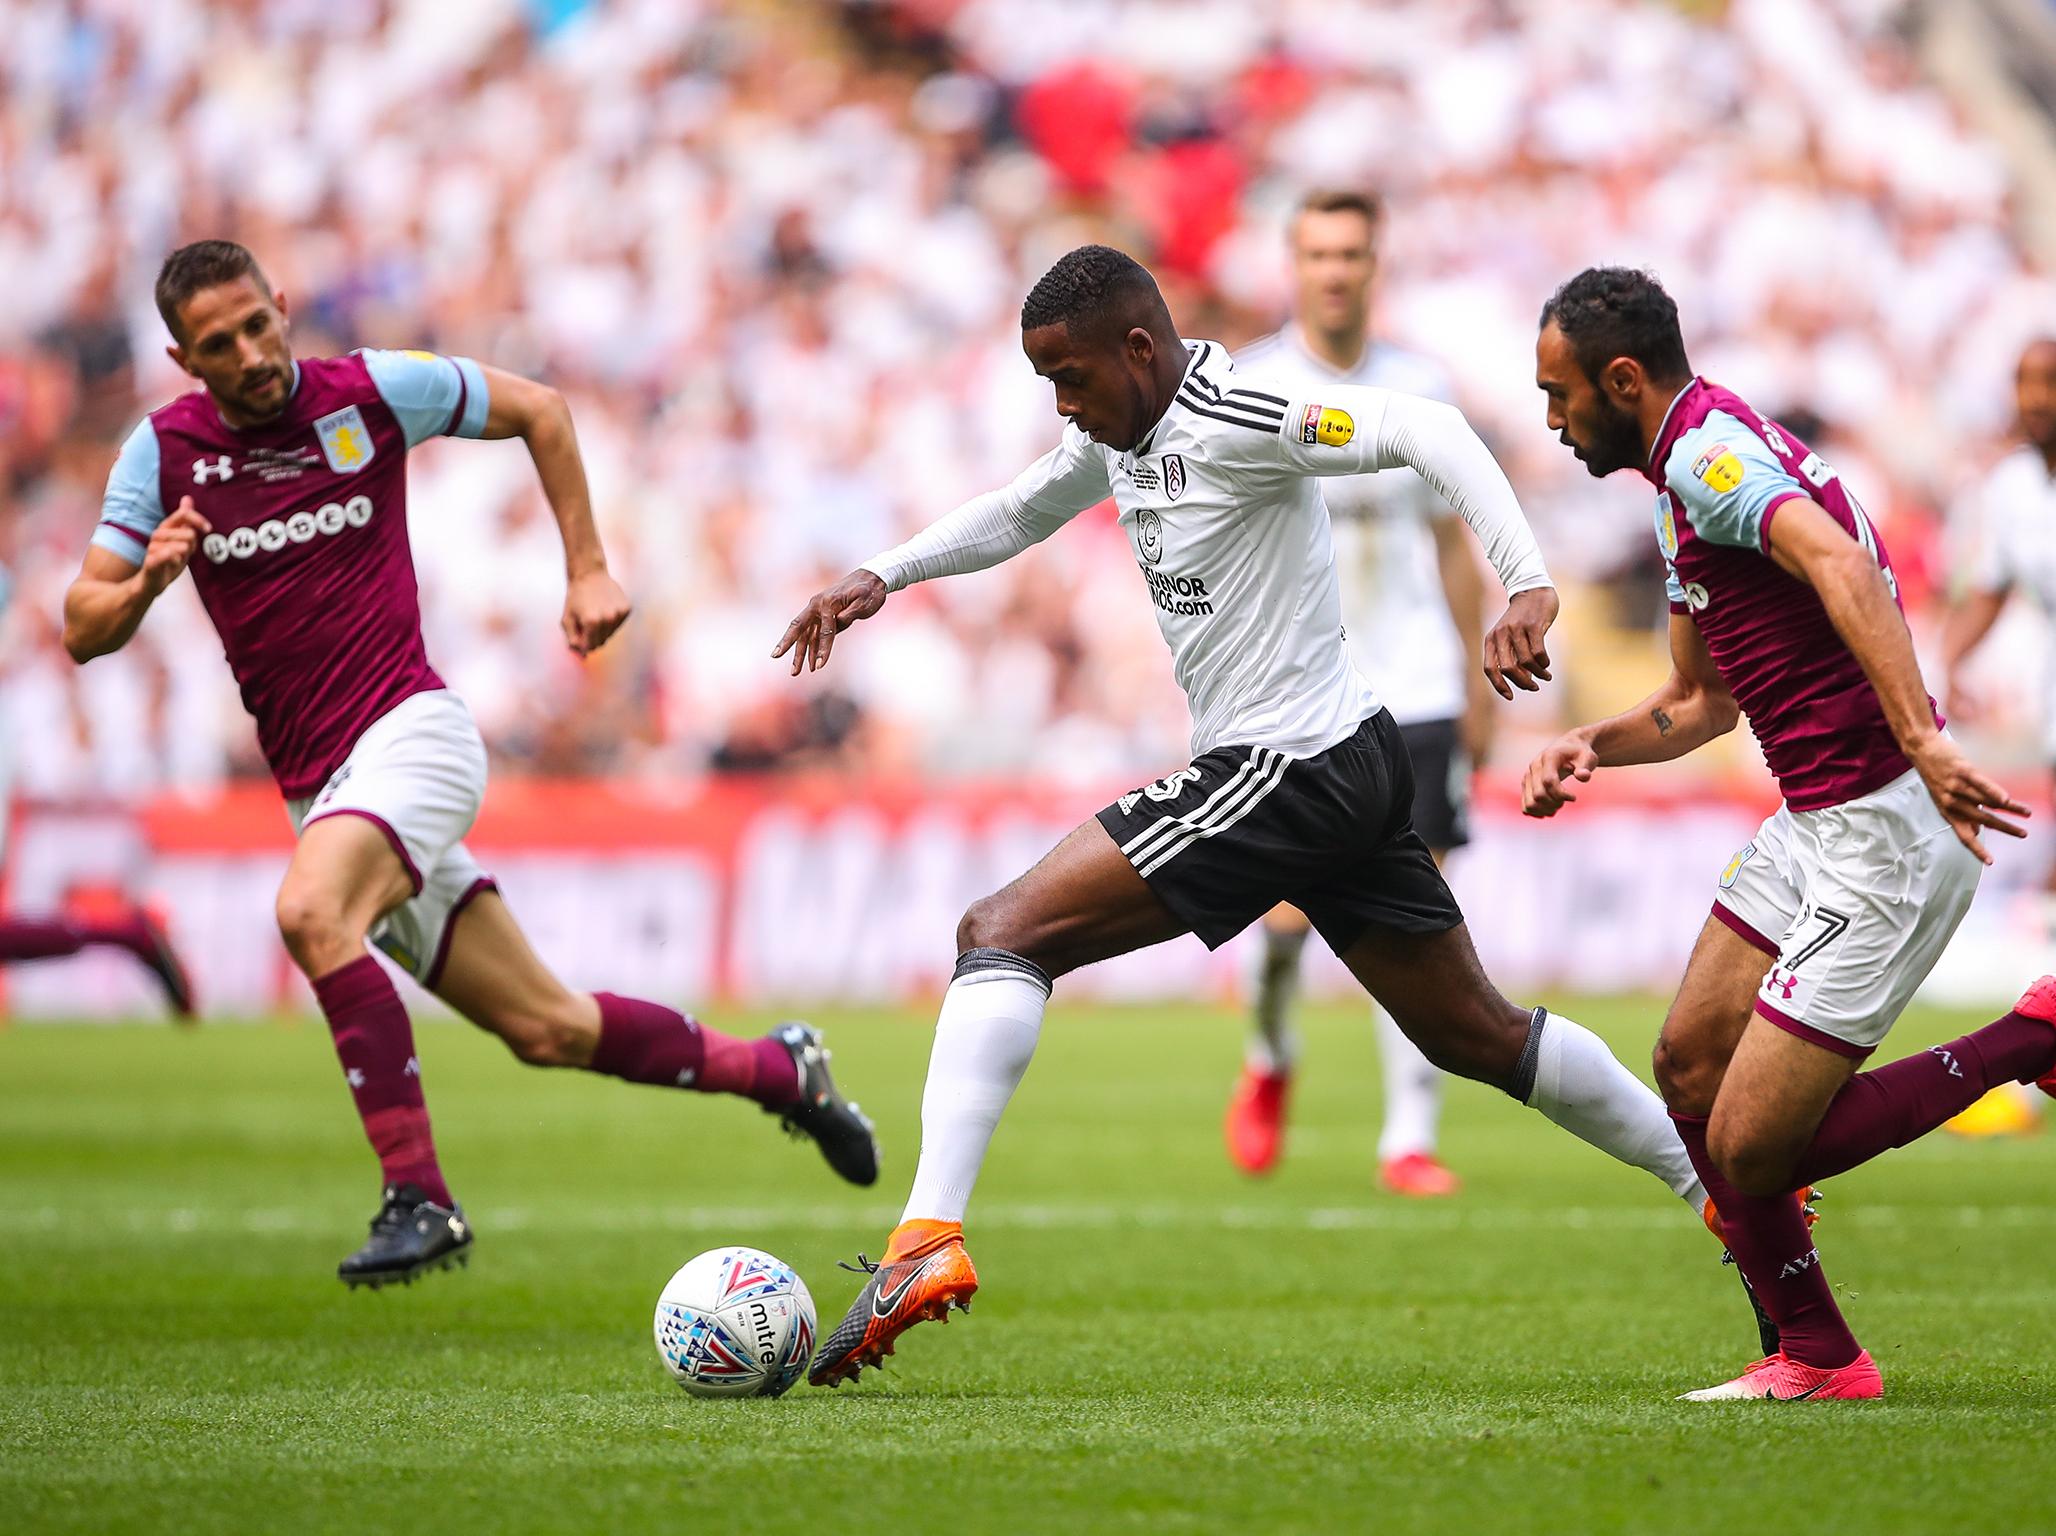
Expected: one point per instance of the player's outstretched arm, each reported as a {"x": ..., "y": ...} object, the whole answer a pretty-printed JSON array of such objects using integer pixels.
[
  {"x": 108, "y": 598},
  {"x": 1689, "y": 710},
  {"x": 981, "y": 533},
  {"x": 594, "y": 604},
  {"x": 1808, "y": 543}
]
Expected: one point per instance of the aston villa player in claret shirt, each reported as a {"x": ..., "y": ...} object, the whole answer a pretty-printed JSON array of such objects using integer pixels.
[
  {"x": 281, "y": 483},
  {"x": 1784, "y": 612}
]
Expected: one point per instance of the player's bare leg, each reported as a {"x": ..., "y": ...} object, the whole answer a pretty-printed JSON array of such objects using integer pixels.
[
  {"x": 1713, "y": 1006},
  {"x": 345, "y": 875},
  {"x": 1082, "y": 903},
  {"x": 1407, "y": 1164},
  {"x": 493, "y": 977},
  {"x": 1764, "y": 1111},
  {"x": 1439, "y": 995},
  {"x": 1254, "y": 1127},
  {"x": 1255, "y": 1124}
]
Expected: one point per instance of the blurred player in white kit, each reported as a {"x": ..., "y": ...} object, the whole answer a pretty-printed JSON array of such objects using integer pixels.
[
  {"x": 1413, "y": 602},
  {"x": 2014, "y": 550}
]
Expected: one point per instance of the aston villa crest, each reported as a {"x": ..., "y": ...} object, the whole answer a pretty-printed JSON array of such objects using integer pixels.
[{"x": 345, "y": 440}]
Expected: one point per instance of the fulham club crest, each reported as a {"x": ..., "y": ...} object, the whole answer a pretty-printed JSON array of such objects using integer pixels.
[
  {"x": 1149, "y": 535},
  {"x": 1174, "y": 476}
]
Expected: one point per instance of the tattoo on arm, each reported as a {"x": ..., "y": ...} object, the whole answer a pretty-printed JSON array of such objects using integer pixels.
[{"x": 1664, "y": 725}]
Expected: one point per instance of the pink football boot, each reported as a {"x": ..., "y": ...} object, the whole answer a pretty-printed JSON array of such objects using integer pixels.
[{"x": 1778, "y": 1380}]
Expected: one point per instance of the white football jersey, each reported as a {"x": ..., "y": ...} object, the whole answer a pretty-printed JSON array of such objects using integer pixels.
[
  {"x": 2016, "y": 550},
  {"x": 1400, "y": 630},
  {"x": 1223, "y": 512}
]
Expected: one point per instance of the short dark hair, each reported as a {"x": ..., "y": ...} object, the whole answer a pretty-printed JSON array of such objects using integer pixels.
[
  {"x": 203, "y": 264},
  {"x": 1610, "y": 312},
  {"x": 1344, "y": 200},
  {"x": 1089, "y": 287}
]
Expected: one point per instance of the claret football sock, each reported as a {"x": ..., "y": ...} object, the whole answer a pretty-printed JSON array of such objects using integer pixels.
[
  {"x": 375, "y": 1043},
  {"x": 39, "y": 938},
  {"x": 1902, "y": 1102},
  {"x": 1769, "y": 1239},
  {"x": 1274, "y": 1044},
  {"x": 643, "y": 1042},
  {"x": 984, "y": 1037},
  {"x": 49, "y": 938},
  {"x": 1572, "y": 1078}
]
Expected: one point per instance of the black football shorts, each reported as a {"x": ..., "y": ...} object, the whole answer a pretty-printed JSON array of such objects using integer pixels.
[
  {"x": 1243, "y": 828},
  {"x": 1442, "y": 782}
]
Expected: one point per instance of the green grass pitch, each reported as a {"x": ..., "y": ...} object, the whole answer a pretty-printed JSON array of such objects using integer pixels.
[{"x": 1161, "y": 1345}]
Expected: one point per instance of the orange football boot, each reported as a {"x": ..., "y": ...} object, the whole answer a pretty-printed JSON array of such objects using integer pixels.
[
  {"x": 924, "y": 1275},
  {"x": 1808, "y": 1208}
]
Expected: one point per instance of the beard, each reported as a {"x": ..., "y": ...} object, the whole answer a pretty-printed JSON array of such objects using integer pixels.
[{"x": 1616, "y": 442}]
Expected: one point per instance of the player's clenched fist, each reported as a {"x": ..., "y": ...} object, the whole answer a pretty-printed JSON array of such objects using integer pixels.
[
  {"x": 811, "y": 636},
  {"x": 172, "y": 546},
  {"x": 594, "y": 607},
  {"x": 1545, "y": 789},
  {"x": 1517, "y": 649}
]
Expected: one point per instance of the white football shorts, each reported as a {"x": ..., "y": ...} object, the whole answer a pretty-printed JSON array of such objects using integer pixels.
[
  {"x": 1857, "y": 902},
  {"x": 418, "y": 775}
]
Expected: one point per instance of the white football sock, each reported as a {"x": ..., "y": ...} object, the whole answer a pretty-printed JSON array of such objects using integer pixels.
[
  {"x": 984, "y": 1037},
  {"x": 1413, "y": 1093},
  {"x": 1582, "y": 1086},
  {"x": 1274, "y": 1043}
]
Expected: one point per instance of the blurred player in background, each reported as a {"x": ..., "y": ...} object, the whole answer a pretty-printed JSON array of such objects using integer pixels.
[
  {"x": 1784, "y": 609},
  {"x": 282, "y": 484},
  {"x": 2014, "y": 529},
  {"x": 1300, "y": 788},
  {"x": 130, "y": 928},
  {"x": 2016, "y": 542},
  {"x": 1413, "y": 605}
]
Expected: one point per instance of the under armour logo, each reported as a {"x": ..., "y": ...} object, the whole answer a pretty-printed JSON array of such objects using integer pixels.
[
  {"x": 354, "y": 1077},
  {"x": 685, "y": 1078},
  {"x": 1785, "y": 981},
  {"x": 220, "y": 468},
  {"x": 413, "y": 1068},
  {"x": 1948, "y": 1060}
]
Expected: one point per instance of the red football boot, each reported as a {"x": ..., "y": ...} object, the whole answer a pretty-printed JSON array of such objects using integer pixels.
[
  {"x": 1255, "y": 1127},
  {"x": 1776, "y": 1379},
  {"x": 2039, "y": 1002},
  {"x": 1420, "y": 1174}
]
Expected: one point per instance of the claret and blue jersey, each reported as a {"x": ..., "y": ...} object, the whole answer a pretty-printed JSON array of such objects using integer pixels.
[
  {"x": 306, "y": 570},
  {"x": 1722, "y": 472}
]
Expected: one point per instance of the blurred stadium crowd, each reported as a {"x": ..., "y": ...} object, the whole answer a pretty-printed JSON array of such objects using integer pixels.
[{"x": 774, "y": 254}]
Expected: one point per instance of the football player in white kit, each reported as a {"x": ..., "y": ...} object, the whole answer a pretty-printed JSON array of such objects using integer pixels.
[
  {"x": 2016, "y": 538},
  {"x": 2014, "y": 550},
  {"x": 1413, "y": 602},
  {"x": 1299, "y": 790}
]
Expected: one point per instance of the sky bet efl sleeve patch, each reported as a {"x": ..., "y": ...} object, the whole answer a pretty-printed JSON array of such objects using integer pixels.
[
  {"x": 1326, "y": 424},
  {"x": 1719, "y": 468}
]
